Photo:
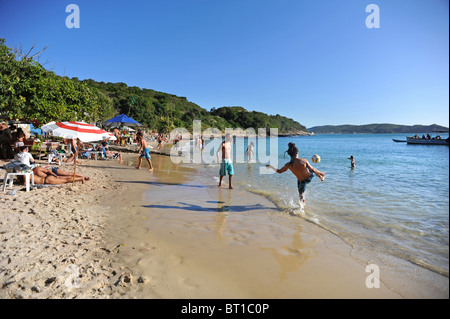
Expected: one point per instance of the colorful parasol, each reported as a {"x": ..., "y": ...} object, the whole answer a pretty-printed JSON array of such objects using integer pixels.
[{"x": 76, "y": 130}]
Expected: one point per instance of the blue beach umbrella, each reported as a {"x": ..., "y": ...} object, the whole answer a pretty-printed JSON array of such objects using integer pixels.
[
  {"x": 35, "y": 130},
  {"x": 121, "y": 120}
]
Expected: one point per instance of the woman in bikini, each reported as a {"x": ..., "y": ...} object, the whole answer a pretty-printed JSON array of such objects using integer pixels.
[{"x": 55, "y": 176}]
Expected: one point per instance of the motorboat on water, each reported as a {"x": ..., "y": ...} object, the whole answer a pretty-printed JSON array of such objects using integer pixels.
[{"x": 428, "y": 139}]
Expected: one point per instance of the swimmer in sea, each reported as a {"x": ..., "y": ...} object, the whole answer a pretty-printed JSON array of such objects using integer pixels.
[
  {"x": 352, "y": 161},
  {"x": 250, "y": 152}
]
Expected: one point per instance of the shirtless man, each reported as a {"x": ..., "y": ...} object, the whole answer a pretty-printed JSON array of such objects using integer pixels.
[
  {"x": 352, "y": 161},
  {"x": 226, "y": 165},
  {"x": 145, "y": 151},
  {"x": 301, "y": 168},
  {"x": 116, "y": 133},
  {"x": 160, "y": 141}
]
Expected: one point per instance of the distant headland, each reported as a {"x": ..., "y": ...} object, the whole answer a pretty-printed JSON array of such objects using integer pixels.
[{"x": 375, "y": 129}]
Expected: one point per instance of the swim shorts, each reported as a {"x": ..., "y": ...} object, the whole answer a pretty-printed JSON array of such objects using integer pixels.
[
  {"x": 302, "y": 185},
  {"x": 226, "y": 167},
  {"x": 146, "y": 153}
]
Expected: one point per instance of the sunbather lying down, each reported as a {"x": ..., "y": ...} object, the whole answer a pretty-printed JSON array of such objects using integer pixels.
[{"x": 55, "y": 176}]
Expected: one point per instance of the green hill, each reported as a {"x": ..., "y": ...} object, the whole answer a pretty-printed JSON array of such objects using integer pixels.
[
  {"x": 375, "y": 129},
  {"x": 164, "y": 112},
  {"x": 239, "y": 117},
  {"x": 30, "y": 92}
]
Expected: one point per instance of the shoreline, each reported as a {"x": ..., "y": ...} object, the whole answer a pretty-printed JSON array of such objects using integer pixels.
[
  {"x": 135, "y": 234},
  {"x": 190, "y": 250},
  {"x": 183, "y": 214}
]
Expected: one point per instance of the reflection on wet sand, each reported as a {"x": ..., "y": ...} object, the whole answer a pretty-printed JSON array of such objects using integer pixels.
[
  {"x": 223, "y": 209},
  {"x": 291, "y": 257}
]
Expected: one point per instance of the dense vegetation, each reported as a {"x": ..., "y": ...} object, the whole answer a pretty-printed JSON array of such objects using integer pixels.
[
  {"x": 156, "y": 110},
  {"x": 375, "y": 129},
  {"x": 30, "y": 92}
]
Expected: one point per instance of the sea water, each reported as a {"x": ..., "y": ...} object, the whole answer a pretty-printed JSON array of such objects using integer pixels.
[{"x": 395, "y": 201}]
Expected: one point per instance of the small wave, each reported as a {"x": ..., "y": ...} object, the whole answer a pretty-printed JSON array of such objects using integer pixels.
[{"x": 290, "y": 205}]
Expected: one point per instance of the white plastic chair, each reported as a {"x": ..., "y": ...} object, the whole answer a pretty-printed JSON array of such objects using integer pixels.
[{"x": 28, "y": 176}]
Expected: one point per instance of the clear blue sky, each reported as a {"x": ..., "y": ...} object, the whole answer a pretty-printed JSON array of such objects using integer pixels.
[{"x": 313, "y": 61}]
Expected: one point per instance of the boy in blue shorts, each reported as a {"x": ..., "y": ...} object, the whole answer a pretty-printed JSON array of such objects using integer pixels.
[
  {"x": 145, "y": 151},
  {"x": 226, "y": 165}
]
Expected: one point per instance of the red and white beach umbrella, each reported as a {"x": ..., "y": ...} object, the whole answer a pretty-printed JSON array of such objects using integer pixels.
[
  {"x": 76, "y": 130},
  {"x": 111, "y": 137},
  {"x": 83, "y": 131}
]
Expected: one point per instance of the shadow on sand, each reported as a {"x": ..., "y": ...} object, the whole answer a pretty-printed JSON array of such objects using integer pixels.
[{"x": 198, "y": 208}]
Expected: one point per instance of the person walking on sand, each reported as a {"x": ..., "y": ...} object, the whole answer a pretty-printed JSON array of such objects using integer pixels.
[
  {"x": 352, "y": 161},
  {"x": 116, "y": 133},
  {"x": 301, "y": 168},
  {"x": 226, "y": 165},
  {"x": 145, "y": 151}
]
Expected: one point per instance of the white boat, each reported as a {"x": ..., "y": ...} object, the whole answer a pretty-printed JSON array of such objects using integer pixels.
[{"x": 428, "y": 139}]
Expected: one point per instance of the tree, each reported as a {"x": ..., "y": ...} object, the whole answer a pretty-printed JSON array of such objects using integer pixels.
[{"x": 30, "y": 92}]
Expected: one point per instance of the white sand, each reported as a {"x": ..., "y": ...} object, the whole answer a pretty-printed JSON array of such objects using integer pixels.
[{"x": 54, "y": 240}]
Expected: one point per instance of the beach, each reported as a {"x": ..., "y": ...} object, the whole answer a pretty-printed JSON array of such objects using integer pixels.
[
  {"x": 170, "y": 234},
  {"x": 54, "y": 240}
]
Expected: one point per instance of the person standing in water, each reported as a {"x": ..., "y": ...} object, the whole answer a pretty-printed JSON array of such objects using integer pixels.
[
  {"x": 249, "y": 152},
  {"x": 301, "y": 168},
  {"x": 226, "y": 165},
  {"x": 352, "y": 161}
]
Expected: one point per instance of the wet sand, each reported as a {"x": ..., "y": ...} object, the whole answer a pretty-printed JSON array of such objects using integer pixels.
[
  {"x": 192, "y": 239},
  {"x": 169, "y": 234}
]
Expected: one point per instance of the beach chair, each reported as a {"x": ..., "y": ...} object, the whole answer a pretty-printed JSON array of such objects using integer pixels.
[
  {"x": 106, "y": 156},
  {"x": 17, "y": 169},
  {"x": 55, "y": 155}
]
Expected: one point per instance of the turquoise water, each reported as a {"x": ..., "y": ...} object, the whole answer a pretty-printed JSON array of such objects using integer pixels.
[{"x": 395, "y": 202}]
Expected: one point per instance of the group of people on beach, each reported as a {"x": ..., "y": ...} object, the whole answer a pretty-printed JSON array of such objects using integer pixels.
[
  {"x": 13, "y": 147},
  {"x": 300, "y": 167},
  {"x": 46, "y": 175},
  {"x": 11, "y": 139}
]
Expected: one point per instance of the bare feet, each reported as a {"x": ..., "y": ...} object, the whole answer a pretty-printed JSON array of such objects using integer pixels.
[
  {"x": 138, "y": 167},
  {"x": 231, "y": 187}
]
